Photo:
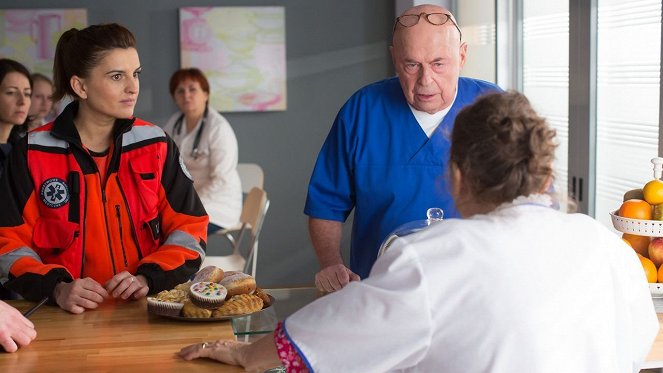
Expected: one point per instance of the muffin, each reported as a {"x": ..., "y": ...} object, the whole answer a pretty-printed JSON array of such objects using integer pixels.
[
  {"x": 167, "y": 302},
  {"x": 209, "y": 295},
  {"x": 178, "y": 295},
  {"x": 238, "y": 283},
  {"x": 209, "y": 274},
  {"x": 163, "y": 308},
  {"x": 191, "y": 310}
]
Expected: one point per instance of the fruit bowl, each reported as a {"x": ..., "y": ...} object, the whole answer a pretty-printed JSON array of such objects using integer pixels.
[
  {"x": 651, "y": 228},
  {"x": 656, "y": 290}
]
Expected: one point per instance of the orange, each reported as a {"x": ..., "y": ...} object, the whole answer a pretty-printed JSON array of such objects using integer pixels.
[
  {"x": 653, "y": 192},
  {"x": 650, "y": 269},
  {"x": 639, "y": 243},
  {"x": 636, "y": 209},
  {"x": 660, "y": 274}
]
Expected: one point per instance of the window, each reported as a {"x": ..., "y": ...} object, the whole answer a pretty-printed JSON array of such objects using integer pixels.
[
  {"x": 546, "y": 73},
  {"x": 628, "y": 64},
  {"x": 476, "y": 20}
]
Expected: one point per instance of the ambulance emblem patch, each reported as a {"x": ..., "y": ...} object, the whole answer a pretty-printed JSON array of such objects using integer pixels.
[
  {"x": 54, "y": 192},
  {"x": 184, "y": 169}
]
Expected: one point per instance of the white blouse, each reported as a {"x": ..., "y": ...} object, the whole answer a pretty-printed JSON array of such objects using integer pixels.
[
  {"x": 525, "y": 288},
  {"x": 214, "y": 171}
]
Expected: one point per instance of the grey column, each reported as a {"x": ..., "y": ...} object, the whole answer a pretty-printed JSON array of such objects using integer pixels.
[{"x": 582, "y": 103}]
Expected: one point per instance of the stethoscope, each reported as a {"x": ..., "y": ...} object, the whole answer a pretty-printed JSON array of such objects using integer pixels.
[{"x": 196, "y": 142}]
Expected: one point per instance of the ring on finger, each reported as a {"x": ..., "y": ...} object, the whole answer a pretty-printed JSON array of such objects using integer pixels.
[
  {"x": 132, "y": 279},
  {"x": 204, "y": 345}
]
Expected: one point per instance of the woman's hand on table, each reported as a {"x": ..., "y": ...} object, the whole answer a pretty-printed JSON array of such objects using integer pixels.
[
  {"x": 124, "y": 285},
  {"x": 253, "y": 357},
  {"x": 79, "y": 295},
  {"x": 227, "y": 351},
  {"x": 15, "y": 330}
]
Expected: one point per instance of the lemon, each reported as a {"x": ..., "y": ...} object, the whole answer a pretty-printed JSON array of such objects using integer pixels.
[{"x": 653, "y": 192}]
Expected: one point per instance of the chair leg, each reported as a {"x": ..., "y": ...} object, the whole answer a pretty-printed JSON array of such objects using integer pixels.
[
  {"x": 249, "y": 260},
  {"x": 252, "y": 259},
  {"x": 253, "y": 253}
]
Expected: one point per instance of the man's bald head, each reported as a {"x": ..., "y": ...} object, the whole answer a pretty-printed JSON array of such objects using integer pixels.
[{"x": 428, "y": 56}]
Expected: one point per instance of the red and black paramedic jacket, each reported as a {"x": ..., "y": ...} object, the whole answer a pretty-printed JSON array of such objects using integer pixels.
[{"x": 59, "y": 221}]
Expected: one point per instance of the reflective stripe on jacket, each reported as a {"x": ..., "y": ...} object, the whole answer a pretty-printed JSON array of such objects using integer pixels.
[{"x": 63, "y": 222}]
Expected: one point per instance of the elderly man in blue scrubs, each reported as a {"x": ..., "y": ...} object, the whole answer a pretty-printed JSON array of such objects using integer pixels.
[{"x": 389, "y": 145}]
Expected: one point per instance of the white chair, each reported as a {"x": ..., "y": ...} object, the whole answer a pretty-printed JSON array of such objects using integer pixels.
[
  {"x": 251, "y": 176},
  {"x": 252, "y": 217}
]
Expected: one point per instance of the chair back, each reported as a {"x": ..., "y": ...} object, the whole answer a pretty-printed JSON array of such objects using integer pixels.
[
  {"x": 252, "y": 218},
  {"x": 254, "y": 210},
  {"x": 253, "y": 215},
  {"x": 251, "y": 175}
]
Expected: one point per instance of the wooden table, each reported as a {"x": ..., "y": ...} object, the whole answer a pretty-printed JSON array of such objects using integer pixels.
[
  {"x": 122, "y": 337},
  {"x": 116, "y": 337},
  {"x": 655, "y": 357}
]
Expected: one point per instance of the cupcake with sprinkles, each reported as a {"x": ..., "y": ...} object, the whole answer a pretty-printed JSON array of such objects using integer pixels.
[{"x": 209, "y": 295}]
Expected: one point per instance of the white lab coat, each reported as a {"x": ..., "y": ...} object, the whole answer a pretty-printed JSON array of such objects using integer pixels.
[
  {"x": 523, "y": 289},
  {"x": 214, "y": 172}
]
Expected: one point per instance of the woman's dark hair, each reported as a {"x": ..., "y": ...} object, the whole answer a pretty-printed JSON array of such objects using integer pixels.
[
  {"x": 10, "y": 66},
  {"x": 79, "y": 51},
  {"x": 503, "y": 148},
  {"x": 191, "y": 73}
]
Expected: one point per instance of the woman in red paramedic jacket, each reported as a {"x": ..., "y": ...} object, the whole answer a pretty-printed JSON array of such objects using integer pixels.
[{"x": 97, "y": 203}]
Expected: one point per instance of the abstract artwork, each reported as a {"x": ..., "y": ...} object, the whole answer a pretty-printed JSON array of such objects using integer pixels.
[
  {"x": 241, "y": 50},
  {"x": 30, "y": 35}
]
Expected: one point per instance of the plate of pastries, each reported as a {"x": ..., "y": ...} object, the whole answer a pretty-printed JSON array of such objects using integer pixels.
[{"x": 212, "y": 295}]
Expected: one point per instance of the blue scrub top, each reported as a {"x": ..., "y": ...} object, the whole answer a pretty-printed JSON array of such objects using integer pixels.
[{"x": 377, "y": 160}]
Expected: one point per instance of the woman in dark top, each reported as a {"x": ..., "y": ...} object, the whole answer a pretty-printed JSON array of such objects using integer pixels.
[{"x": 15, "y": 93}]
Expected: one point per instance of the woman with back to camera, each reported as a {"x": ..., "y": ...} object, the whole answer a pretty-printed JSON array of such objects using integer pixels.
[
  {"x": 509, "y": 287},
  {"x": 42, "y": 106},
  {"x": 209, "y": 148},
  {"x": 15, "y": 98},
  {"x": 97, "y": 204}
]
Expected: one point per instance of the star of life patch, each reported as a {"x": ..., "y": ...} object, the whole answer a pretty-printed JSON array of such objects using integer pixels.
[
  {"x": 54, "y": 192},
  {"x": 184, "y": 169}
]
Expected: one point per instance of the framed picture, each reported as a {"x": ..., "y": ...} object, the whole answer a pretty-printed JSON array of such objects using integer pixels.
[
  {"x": 31, "y": 35},
  {"x": 241, "y": 50}
]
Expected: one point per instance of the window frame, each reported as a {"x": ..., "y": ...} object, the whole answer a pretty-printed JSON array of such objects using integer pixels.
[{"x": 583, "y": 41}]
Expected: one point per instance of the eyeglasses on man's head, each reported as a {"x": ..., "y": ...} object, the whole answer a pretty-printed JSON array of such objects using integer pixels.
[{"x": 437, "y": 19}]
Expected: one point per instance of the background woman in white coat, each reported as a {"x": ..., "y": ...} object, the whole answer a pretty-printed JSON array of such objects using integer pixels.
[
  {"x": 208, "y": 146},
  {"x": 510, "y": 287}
]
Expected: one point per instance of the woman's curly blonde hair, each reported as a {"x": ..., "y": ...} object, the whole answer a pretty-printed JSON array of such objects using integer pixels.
[{"x": 503, "y": 148}]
